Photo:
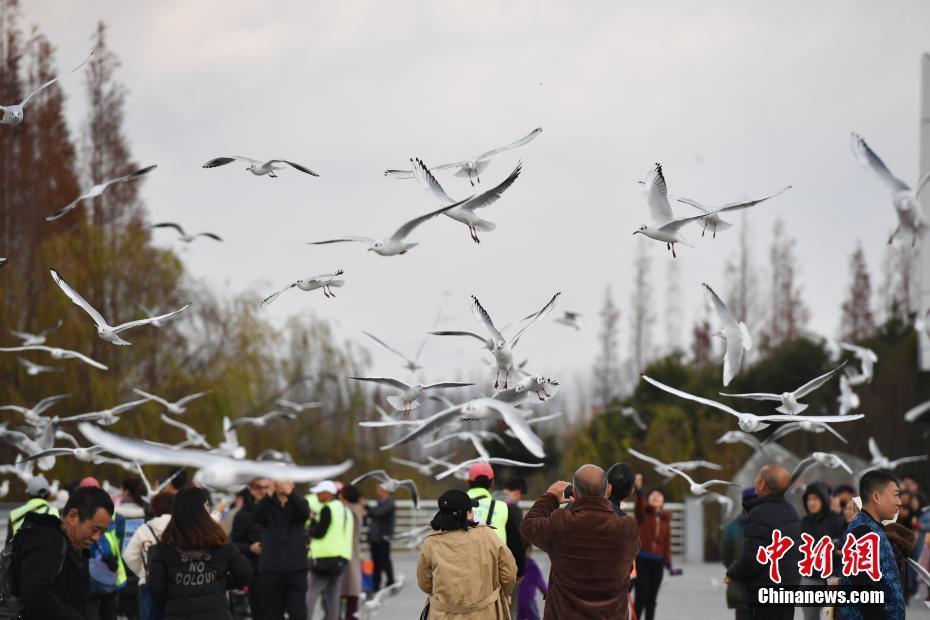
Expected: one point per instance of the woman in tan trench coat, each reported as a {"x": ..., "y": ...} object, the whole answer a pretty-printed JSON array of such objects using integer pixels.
[{"x": 466, "y": 570}]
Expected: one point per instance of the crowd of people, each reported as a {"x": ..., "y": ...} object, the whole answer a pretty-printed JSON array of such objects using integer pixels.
[{"x": 178, "y": 555}]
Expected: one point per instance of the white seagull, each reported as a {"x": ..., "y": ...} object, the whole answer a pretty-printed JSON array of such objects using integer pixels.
[
  {"x": 476, "y": 438},
  {"x": 33, "y": 415},
  {"x": 472, "y": 167},
  {"x": 465, "y": 211},
  {"x": 463, "y": 466},
  {"x": 847, "y": 399},
  {"x": 633, "y": 414},
  {"x": 867, "y": 360},
  {"x": 503, "y": 350},
  {"x": 33, "y": 369},
  {"x": 665, "y": 469},
  {"x": 191, "y": 436},
  {"x": 186, "y": 238},
  {"x": 106, "y": 331},
  {"x": 259, "y": 168},
  {"x": 385, "y": 420},
  {"x": 86, "y": 455},
  {"x": 395, "y": 244},
  {"x": 409, "y": 364},
  {"x": 57, "y": 354},
  {"x": 262, "y": 420},
  {"x": 915, "y": 413},
  {"x": 175, "y": 408},
  {"x": 789, "y": 400},
  {"x": 822, "y": 458},
  {"x": 230, "y": 445},
  {"x": 13, "y": 113},
  {"x": 905, "y": 200},
  {"x": 324, "y": 281},
  {"x": 880, "y": 461},
  {"x": 570, "y": 319},
  {"x": 424, "y": 469},
  {"x": 391, "y": 485},
  {"x": 407, "y": 399},
  {"x": 29, "y": 339},
  {"x": 213, "y": 469},
  {"x": 299, "y": 407},
  {"x": 808, "y": 427},
  {"x": 712, "y": 217},
  {"x": 741, "y": 437},
  {"x": 734, "y": 333},
  {"x": 665, "y": 227},
  {"x": 748, "y": 422},
  {"x": 478, "y": 409},
  {"x": 98, "y": 189},
  {"x": 106, "y": 417}
]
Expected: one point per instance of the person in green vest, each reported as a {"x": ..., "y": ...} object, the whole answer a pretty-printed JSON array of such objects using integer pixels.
[
  {"x": 490, "y": 511},
  {"x": 331, "y": 535},
  {"x": 37, "y": 490}
]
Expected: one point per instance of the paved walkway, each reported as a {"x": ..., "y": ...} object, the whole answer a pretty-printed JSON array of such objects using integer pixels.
[{"x": 698, "y": 589}]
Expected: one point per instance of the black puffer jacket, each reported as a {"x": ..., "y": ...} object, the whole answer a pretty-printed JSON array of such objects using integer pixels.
[
  {"x": 766, "y": 514},
  {"x": 245, "y": 531},
  {"x": 825, "y": 522},
  {"x": 193, "y": 584},
  {"x": 44, "y": 591}
]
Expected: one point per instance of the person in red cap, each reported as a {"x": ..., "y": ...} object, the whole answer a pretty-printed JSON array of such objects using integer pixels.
[{"x": 503, "y": 517}]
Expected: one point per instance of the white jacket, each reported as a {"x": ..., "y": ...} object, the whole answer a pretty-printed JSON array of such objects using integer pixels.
[{"x": 138, "y": 549}]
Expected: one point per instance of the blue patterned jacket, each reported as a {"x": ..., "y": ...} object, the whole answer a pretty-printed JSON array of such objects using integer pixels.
[{"x": 863, "y": 523}]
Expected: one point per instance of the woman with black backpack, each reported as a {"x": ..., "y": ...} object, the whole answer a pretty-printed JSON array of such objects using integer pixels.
[{"x": 194, "y": 564}]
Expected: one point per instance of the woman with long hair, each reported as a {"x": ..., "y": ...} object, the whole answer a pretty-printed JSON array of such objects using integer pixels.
[
  {"x": 194, "y": 563},
  {"x": 466, "y": 569}
]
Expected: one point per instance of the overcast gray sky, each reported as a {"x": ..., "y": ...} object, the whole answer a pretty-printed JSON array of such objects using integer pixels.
[{"x": 735, "y": 99}]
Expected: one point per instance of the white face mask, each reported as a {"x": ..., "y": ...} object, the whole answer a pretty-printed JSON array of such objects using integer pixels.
[{"x": 891, "y": 520}]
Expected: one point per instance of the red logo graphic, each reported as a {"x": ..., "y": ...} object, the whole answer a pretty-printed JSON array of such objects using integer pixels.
[
  {"x": 774, "y": 552},
  {"x": 860, "y": 555},
  {"x": 817, "y": 556}
]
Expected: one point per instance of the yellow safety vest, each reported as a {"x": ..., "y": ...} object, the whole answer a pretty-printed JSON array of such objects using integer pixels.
[
  {"x": 36, "y": 505},
  {"x": 498, "y": 519},
  {"x": 337, "y": 542},
  {"x": 113, "y": 541}
]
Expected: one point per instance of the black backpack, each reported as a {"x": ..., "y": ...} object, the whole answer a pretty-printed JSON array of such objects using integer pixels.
[{"x": 10, "y": 607}]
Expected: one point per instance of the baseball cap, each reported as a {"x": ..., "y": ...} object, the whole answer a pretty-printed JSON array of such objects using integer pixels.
[
  {"x": 327, "y": 486},
  {"x": 37, "y": 486},
  {"x": 456, "y": 503},
  {"x": 89, "y": 481},
  {"x": 480, "y": 469}
]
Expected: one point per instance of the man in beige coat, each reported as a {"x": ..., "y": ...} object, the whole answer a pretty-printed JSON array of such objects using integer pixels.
[{"x": 466, "y": 569}]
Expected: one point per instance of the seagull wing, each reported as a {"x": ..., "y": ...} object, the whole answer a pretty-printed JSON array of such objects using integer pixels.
[
  {"x": 920, "y": 570},
  {"x": 130, "y": 176},
  {"x": 188, "y": 430},
  {"x": 536, "y": 319},
  {"x": 52, "y": 328},
  {"x": 915, "y": 413},
  {"x": 275, "y": 295},
  {"x": 79, "y": 301},
  {"x": 870, "y": 160},
  {"x": 209, "y": 235},
  {"x": 657, "y": 197},
  {"x": 433, "y": 422},
  {"x": 675, "y": 225},
  {"x": 428, "y": 182},
  {"x": 446, "y": 384},
  {"x": 823, "y": 419},
  {"x": 121, "y": 328},
  {"x": 394, "y": 383},
  {"x": 157, "y": 399},
  {"x": 191, "y": 397},
  {"x": 693, "y": 203},
  {"x": 813, "y": 384},
  {"x": 387, "y": 346},
  {"x": 800, "y": 468},
  {"x": 47, "y": 402},
  {"x": 55, "y": 79},
  {"x": 222, "y": 161},
  {"x": 491, "y": 196},
  {"x": 525, "y": 139},
  {"x": 303, "y": 169},
  {"x": 401, "y": 233},
  {"x": 127, "y": 406},
  {"x": 697, "y": 399},
  {"x": 485, "y": 340},
  {"x": 736, "y": 206},
  {"x": 379, "y": 474},
  {"x": 44, "y": 453},
  {"x": 343, "y": 240},
  {"x": 908, "y": 459},
  {"x": 754, "y": 396},
  {"x": 485, "y": 319},
  {"x": 85, "y": 359},
  {"x": 517, "y": 423},
  {"x": 399, "y": 174},
  {"x": 874, "y": 451},
  {"x": 173, "y": 225}
]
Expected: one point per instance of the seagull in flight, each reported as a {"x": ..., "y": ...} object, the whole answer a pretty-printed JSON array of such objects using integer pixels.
[
  {"x": 186, "y": 238},
  {"x": 476, "y": 438},
  {"x": 465, "y": 212},
  {"x": 665, "y": 227},
  {"x": 98, "y": 189},
  {"x": 57, "y": 354},
  {"x": 369, "y": 604},
  {"x": 106, "y": 417},
  {"x": 825, "y": 459},
  {"x": 789, "y": 400},
  {"x": 105, "y": 330},
  {"x": 259, "y": 168},
  {"x": 175, "y": 408},
  {"x": 87, "y": 455},
  {"x": 664, "y": 469},
  {"x": 712, "y": 217},
  {"x": 472, "y": 167},
  {"x": 749, "y": 422},
  {"x": 463, "y": 466},
  {"x": 478, "y": 409},
  {"x": 13, "y": 113},
  {"x": 629, "y": 412},
  {"x": 409, "y": 364},
  {"x": 324, "y": 281},
  {"x": 847, "y": 399},
  {"x": 867, "y": 360},
  {"x": 503, "y": 350},
  {"x": 570, "y": 319},
  {"x": 809, "y": 427},
  {"x": 191, "y": 436},
  {"x": 391, "y": 485},
  {"x": 906, "y": 201},
  {"x": 33, "y": 415},
  {"x": 29, "y": 339},
  {"x": 387, "y": 421},
  {"x": 424, "y": 469},
  {"x": 395, "y": 244},
  {"x": 915, "y": 413},
  {"x": 734, "y": 333},
  {"x": 299, "y": 407},
  {"x": 407, "y": 399},
  {"x": 743, "y": 438},
  {"x": 880, "y": 461},
  {"x": 262, "y": 420},
  {"x": 33, "y": 369},
  {"x": 213, "y": 469},
  {"x": 230, "y": 445}
]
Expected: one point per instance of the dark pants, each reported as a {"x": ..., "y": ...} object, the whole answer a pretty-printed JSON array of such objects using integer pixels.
[
  {"x": 256, "y": 604},
  {"x": 771, "y": 613},
  {"x": 351, "y": 606},
  {"x": 104, "y": 606},
  {"x": 381, "y": 557},
  {"x": 148, "y": 610},
  {"x": 284, "y": 591},
  {"x": 648, "y": 580}
]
